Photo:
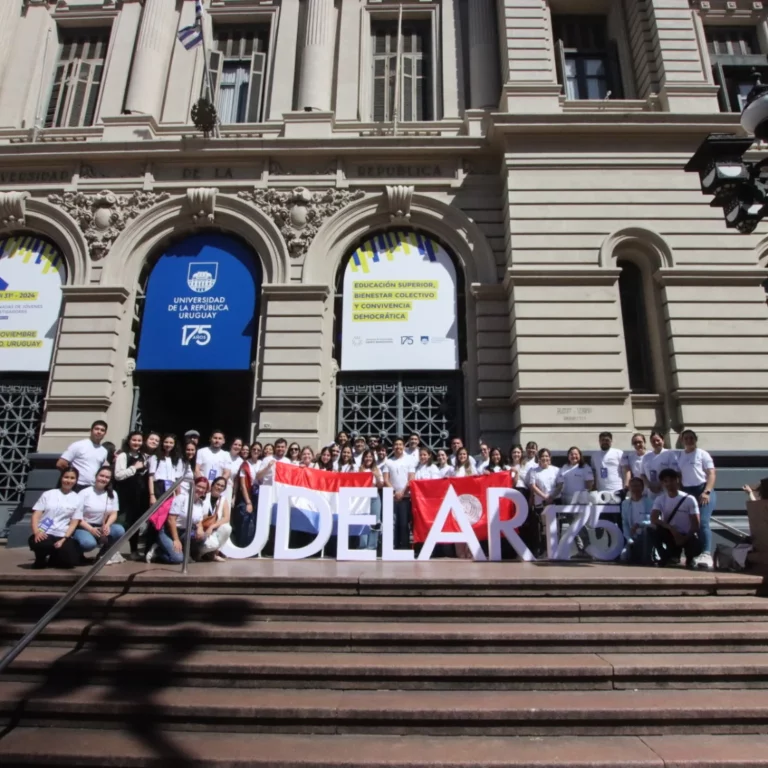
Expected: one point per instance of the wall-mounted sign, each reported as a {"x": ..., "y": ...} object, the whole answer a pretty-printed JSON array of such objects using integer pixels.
[
  {"x": 201, "y": 307},
  {"x": 400, "y": 306},
  {"x": 32, "y": 272}
]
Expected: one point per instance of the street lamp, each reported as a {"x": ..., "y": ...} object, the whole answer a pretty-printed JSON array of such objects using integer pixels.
[{"x": 740, "y": 188}]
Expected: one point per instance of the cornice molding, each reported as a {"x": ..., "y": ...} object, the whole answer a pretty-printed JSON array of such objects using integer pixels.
[
  {"x": 571, "y": 396},
  {"x": 96, "y": 293},
  {"x": 532, "y": 275},
  {"x": 710, "y": 276},
  {"x": 294, "y": 403},
  {"x": 295, "y": 291}
]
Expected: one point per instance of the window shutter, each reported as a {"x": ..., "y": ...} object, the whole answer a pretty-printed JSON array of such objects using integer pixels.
[
  {"x": 379, "y": 89},
  {"x": 722, "y": 95},
  {"x": 214, "y": 66},
  {"x": 80, "y": 82},
  {"x": 614, "y": 71},
  {"x": 407, "y": 98},
  {"x": 256, "y": 88},
  {"x": 561, "y": 66},
  {"x": 58, "y": 95},
  {"x": 93, "y": 95}
]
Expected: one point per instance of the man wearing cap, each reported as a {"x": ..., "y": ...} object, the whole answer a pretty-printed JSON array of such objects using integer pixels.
[{"x": 192, "y": 436}]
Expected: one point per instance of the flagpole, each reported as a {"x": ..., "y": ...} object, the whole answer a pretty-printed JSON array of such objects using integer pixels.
[
  {"x": 207, "y": 71},
  {"x": 396, "y": 113}
]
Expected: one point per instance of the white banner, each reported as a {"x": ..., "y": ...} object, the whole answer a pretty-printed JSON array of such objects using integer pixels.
[
  {"x": 399, "y": 306},
  {"x": 32, "y": 272}
]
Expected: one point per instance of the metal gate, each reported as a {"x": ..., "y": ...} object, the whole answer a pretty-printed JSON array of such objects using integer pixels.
[
  {"x": 21, "y": 412},
  {"x": 390, "y": 408}
]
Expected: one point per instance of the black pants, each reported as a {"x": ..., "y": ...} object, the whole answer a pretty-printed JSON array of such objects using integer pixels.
[
  {"x": 668, "y": 549},
  {"x": 66, "y": 556},
  {"x": 532, "y": 532},
  {"x": 402, "y": 511}
]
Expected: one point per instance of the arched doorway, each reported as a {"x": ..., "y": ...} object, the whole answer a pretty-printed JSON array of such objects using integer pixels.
[
  {"x": 400, "y": 338},
  {"x": 32, "y": 273},
  {"x": 196, "y": 345}
]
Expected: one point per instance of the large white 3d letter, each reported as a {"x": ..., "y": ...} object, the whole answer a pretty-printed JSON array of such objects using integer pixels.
[
  {"x": 283, "y": 527},
  {"x": 343, "y": 552},
  {"x": 388, "y": 551},
  {"x": 498, "y": 528},
  {"x": 452, "y": 504},
  {"x": 263, "y": 523}
]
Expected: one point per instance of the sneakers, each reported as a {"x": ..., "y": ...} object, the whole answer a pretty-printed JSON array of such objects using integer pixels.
[
  {"x": 151, "y": 553},
  {"x": 116, "y": 559},
  {"x": 704, "y": 562}
]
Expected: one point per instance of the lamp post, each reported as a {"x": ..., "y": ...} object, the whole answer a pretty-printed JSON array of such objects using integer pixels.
[{"x": 739, "y": 187}]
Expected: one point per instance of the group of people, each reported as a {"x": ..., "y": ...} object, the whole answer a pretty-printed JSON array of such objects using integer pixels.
[{"x": 665, "y": 497}]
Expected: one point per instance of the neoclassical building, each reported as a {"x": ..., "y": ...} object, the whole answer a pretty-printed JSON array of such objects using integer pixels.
[{"x": 511, "y": 170}]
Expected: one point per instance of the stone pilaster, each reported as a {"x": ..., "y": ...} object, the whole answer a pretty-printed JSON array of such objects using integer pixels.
[
  {"x": 152, "y": 58},
  {"x": 10, "y": 10},
  {"x": 484, "y": 85},
  {"x": 316, "y": 76}
]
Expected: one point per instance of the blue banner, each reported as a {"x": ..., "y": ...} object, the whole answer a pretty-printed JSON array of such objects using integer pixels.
[{"x": 201, "y": 308}]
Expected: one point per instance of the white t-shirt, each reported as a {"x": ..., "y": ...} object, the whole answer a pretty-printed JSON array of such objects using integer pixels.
[
  {"x": 358, "y": 458},
  {"x": 634, "y": 463},
  {"x": 694, "y": 466},
  {"x": 348, "y": 468},
  {"x": 97, "y": 506},
  {"x": 654, "y": 463},
  {"x": 443, "y": 472},
  {"x": 59, "y": 510},
  {"x": 397, "y": 470},
  {"x": 545, "y": 479},
  {"x": 608, "y": 469},
  {"x": 380, "y": 464},
  {"x": 520, "y": 476},
  {"x": 234, "y": 468},
  {"x": 87, "y": 458},
  {"x": 179, "y": 510},
  {"x": 253, "y": 468},
  {"x": 188, "y": 475},
  {"x": 682, "y": 520},
  {"x": 213, "y": 464},
  {"x": 426, "y": 472},
  {"x": 412, "y": 454},
  {"x": 473, "y": 463},
  {"x": 497, "y": 468},
  {"x": 462, "y": 471},
  {"x": 164, "y": 469},
  {"x": 270, "y": 461},
  {"x": 527, "y": 472},
  {"x": 482, "y": 465},
  {"x": 574, "y": 479}
]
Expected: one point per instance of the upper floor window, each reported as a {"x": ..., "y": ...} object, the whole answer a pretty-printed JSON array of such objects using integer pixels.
[
  {"x": 635, "y": 321},
  {"x": 416, "y": 71},
  {"x": 588, "y": 63},
  {"x": 238, "y": 64},
  {"x": 77, "y": 81},
  {"x": 735, "y": 54}
]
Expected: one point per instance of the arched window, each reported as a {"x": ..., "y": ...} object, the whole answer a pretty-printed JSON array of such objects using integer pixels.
[{"x": 635, "y": 321}]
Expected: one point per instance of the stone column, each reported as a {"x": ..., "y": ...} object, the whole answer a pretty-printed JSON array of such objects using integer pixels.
[
  {"x": 152, "y": 57},
  {"x": 10, "y": 10},
  {"x": 484, "y": 81},
  {"x": 316, "y": 76}
]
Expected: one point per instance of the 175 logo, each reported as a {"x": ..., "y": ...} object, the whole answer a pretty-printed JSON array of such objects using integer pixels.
[{"x": 200, "y": 334}]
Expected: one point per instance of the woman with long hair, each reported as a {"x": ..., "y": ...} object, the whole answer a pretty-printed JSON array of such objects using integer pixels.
[
  {"x": 425, "y": 469},
  {"x": 216, "y": 526},
  {"x": 495, "y": 462},
  {"x": 307, "y": 457},
  {"x": 443, "y": 464},
  {"x": 188, "y": 464},
  {"x": 574, "y": 478},
  {"x": 165, "y": 468},
  {"x": 324, "y": 459},
  {"x": 55, "y": 517},
  {"x": 542, "y": 482},
  {"x": 244, "y": 517},
  {"x": 131, "y": 468},
  {"x": 346, "y": 460},
  {"x": 100, "y": 506},
  {"x": 336, "y": 455},
  {"x": 516, "y": 466},
  {"x": 368, "y": 464},
  {"x": 293, "y": 454},
  {"x": 342, "y": 439},
  {"x": 464, "y": 466}
]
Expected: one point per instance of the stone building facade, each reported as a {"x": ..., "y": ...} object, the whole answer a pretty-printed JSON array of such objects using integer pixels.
[{"x": 541, "y": 142}]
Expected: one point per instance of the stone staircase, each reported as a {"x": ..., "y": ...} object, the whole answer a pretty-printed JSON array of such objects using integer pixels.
[{"x": 441, "y": 664}]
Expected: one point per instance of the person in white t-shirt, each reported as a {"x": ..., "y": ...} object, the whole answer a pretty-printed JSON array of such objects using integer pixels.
[
  {"x": 530, "y": 462},
  {"x": 335, "y": 454},
  {"x": 213, "y": 461},
  {"x": 324, "y": 459},
  {"x": 55, "y": 517},
  {"x": 398, "y": 472},
  {"x": 370, "y": 540},
  {"x": 676, "y": 517},
  {"x": 307, "y": 457},
  {"x": 443, "y": 465},
  {"x": 482, "y": 461},
  {"x": 86, "y": 456},
  {"x": 574, "y": 478},
  {"x": 293, "y": 454},
  {"x": 656, "y": 460},
  {"x": 456, "y": 445},
  {"x": 412, "y": 447},
  {"x": 495, "y": 462},
  {"x": 465, "y": 465},
  {"x": 235, "y": 460},
  {"x": 516, "y": 467},
  {"x": 165, "y": 468},
  {"x": 632, "y": 465},
  {"x": 542, "y": 484},
  {"x": 381, "y": 456},
  {"x": 425, "y": 469},
  {"x": 347, "y": 460},
  {"x": 698, "y": 474},
  {"x": 100, "y": 506},
  {"x": 266, "y": 473},
  {"x": 607, "y": 463},
  {"x": 360, "y": 447}
]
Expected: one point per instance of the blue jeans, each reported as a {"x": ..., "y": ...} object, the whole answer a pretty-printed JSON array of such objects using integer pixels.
[
  {"x": 705, "y": 514},
  {"x": 370, "y": 540},
  {"x": 88, "y": 542},
  {"x": 167, "y": 554}
]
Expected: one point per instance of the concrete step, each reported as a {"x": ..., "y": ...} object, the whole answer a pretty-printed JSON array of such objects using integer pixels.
[
  {"x": 232, "y": 633},
  {"x": 155, "y": 748},
  {"x": 402, "y": 671},
  {"x": 456, "y": 713},
  {"x": 103, "y": 605}
]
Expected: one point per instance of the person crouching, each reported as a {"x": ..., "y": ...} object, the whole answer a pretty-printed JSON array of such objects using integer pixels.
[{"x": 676, "y": 517}]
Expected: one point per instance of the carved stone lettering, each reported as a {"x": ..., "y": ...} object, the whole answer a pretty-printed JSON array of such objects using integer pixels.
[
  {"x": 417, "y": 171},
  {"x": 33, "y": 177}
]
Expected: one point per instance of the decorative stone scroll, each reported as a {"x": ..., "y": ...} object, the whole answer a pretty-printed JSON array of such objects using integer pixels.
[
  {"x": 300, "y": 213},
  {"x": 202, "y": 203},
  {"x": 104, "y": 215},
  {"x": 399, "y": 198},
  {"x": 13, "y": 208}
]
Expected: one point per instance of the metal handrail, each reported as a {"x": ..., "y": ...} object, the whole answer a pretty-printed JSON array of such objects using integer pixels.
[
  {"x": 97, "y": 566},
  {"x": 729, "y": 528}
]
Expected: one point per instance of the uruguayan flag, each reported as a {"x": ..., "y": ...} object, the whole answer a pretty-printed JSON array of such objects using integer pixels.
[{"x": 190, "y": 37}]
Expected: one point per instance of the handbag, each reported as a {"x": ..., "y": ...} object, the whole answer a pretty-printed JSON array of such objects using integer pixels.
[{"x": 160, "y": 515}]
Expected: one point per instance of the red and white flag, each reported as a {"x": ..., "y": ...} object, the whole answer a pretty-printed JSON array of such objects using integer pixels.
[
  {"x": 427, "y": 497},
  {"x": 304, "y": 515}
]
